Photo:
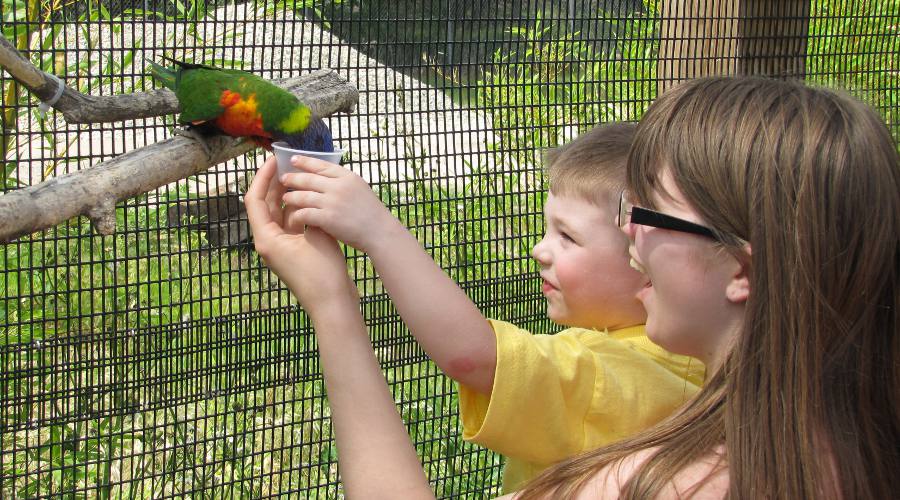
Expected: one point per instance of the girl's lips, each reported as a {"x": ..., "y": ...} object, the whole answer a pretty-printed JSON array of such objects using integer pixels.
[
  {"x": 636, "y": 266},
  {"x": 642, "y": 293},
  {"x": 546, "y": 287}
]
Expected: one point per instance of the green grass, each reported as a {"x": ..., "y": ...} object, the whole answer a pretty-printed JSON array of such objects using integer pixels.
[
  {"x": 188, "y": 418},
  {"x": 151, "y": 363},
  {"x": 161, "y": 298},
  {"x": 253, "y": 444}
]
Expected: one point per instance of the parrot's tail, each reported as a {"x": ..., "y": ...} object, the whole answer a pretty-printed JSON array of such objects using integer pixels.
[{"x": 165, "y": 76}]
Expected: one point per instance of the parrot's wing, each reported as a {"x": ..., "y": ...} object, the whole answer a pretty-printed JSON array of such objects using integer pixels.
[
  {"x": 186, "y": 65},
  {"x": 199, "y": 94}
]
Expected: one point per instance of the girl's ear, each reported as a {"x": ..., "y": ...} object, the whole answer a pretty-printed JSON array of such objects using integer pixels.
[{"x": 738, "y": 289}]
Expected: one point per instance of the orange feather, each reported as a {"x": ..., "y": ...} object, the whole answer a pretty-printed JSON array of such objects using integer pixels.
[{"x": 240, "y": 117}]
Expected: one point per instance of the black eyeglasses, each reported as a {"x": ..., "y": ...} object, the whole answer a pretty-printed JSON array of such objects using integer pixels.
[{"x": 646, "y": 217}]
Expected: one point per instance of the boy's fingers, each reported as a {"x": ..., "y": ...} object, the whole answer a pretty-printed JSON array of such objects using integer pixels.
[
  {"x": 291, "y": 225},
  {"x": 309, "y": 217},
  {"x": 302, "y": 199},
  {"x": 317, "y": 166},
  {"x": 306, "y": 182}
]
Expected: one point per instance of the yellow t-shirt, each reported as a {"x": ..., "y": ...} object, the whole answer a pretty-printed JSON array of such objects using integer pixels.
[{"x": 555, "y": 396}]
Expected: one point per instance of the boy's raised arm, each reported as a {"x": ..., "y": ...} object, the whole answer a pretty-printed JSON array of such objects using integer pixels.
[{"x": 445, "y": 322}]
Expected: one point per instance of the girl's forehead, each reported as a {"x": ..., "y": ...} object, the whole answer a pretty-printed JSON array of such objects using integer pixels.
[
  {"x": 665, "y": 195},
  {"x": 659, "y": 188}
]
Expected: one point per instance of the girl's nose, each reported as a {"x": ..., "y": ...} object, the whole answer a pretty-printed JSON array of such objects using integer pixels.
[{"x": 629, "y": 229}]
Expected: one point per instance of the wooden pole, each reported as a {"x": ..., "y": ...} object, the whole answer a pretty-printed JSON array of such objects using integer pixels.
[
  {"x": 774, "y": 36},
  {"x": 730, "y": 37}
]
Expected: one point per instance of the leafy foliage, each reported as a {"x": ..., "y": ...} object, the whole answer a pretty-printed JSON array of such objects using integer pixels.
[
  {"x": 555, "y": 87},
  {"x": 856, "y": 46},
  {"x": 155, "y": 303}
]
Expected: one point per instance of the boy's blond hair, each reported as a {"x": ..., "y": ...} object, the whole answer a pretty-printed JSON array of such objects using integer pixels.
[{"x": 591, "y": 167}]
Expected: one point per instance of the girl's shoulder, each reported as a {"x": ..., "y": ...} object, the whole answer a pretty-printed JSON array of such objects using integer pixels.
[{"x": 706, "y": 478}]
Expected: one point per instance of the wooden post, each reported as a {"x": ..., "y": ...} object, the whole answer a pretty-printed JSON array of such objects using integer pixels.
[
  {"x": 727, "y": 37},
  {"x": 774, "y": 36},
  {"x": 696, "y": 38}
]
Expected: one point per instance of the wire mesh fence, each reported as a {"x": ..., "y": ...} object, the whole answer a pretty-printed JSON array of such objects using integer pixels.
[{"x": 166, "y": 361}]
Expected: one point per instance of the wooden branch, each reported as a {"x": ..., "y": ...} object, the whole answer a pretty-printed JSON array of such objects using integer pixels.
[
  {"x": 323, "y": 91},
  {"x": 95, "y": 191}
]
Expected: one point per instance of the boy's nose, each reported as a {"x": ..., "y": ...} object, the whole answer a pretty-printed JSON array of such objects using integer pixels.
[{"x": 540, "y": 253}]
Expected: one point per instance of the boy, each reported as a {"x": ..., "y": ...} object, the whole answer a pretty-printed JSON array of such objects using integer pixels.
[{"x": 535, "y": 399}]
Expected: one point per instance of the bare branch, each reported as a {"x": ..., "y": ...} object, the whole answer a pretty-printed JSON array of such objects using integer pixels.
[
  {"x": 22, "y": 69},
  {"x": 313, "y": 89},
  {"x": 95, "y": 191}
]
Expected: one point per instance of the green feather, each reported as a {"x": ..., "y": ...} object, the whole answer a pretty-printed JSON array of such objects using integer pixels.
[
  {"x": 199, "y": 89},
  {"x": 164, "y": 76}
]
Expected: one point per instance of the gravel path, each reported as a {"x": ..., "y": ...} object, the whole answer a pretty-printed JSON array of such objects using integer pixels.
[{"x": 401, "y": 128}]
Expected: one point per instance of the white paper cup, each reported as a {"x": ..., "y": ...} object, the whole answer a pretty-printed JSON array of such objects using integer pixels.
[{"x": 283, "y": 156}]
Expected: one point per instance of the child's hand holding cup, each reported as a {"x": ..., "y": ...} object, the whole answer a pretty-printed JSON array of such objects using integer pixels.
[{"x": 283, "y": 154}]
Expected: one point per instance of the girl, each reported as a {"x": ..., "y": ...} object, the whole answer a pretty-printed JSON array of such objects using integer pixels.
[
  {"x": 767, "y": 218},
  {"x": 766, "y": 215}
]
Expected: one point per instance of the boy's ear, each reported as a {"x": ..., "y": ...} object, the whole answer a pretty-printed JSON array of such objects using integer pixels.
[{"x": 738, "y": 289}]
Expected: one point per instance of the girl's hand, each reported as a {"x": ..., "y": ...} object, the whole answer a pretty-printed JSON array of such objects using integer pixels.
[{"x": 308, "y": 261}]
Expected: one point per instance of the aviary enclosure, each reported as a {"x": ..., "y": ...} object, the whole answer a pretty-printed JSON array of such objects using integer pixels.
[{"x": 146, "y": 351}]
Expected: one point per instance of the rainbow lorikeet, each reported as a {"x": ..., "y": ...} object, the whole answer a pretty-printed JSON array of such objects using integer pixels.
[{"x": 241, "y": 104}]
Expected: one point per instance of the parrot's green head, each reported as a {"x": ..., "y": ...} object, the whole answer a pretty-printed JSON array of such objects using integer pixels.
[{"x": 296, "y": 121}]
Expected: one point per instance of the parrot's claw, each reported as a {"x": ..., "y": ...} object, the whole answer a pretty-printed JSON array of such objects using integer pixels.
[{"x": 197, "y": 137}]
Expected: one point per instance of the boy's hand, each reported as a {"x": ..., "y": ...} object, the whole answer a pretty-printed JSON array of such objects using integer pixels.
[
  {"x": 338, "y": 201},
  {"x": 310, "y": 262},
  {"x": 448, "y": 326}
]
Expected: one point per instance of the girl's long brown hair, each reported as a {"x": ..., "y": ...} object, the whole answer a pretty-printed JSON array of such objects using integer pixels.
[{"x": 806, "y": 403}]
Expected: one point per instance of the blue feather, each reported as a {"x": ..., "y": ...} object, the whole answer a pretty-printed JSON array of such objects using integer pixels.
[{"x": 315, "y": 137}]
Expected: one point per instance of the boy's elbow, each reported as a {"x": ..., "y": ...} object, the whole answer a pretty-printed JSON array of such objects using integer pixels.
[
  {"x": 471, "y": 360},
  {"x": 462, "y": 366},
  {"x": 472, "y": 371}
]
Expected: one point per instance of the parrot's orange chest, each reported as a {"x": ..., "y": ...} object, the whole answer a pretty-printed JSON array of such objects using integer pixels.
[{"x": 240, "y": 117}]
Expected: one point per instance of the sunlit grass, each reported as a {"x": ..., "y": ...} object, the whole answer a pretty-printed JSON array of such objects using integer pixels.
[{"x": 151, "y": 363}]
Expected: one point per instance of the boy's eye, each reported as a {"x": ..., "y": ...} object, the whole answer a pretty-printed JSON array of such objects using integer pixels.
[{"x": 566, "y": 237}]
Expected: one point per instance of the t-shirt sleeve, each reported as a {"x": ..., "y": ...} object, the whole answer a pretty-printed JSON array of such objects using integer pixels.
[
  {"x": 558, "y": 395},
  {"x": 542, "y": 389}
]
